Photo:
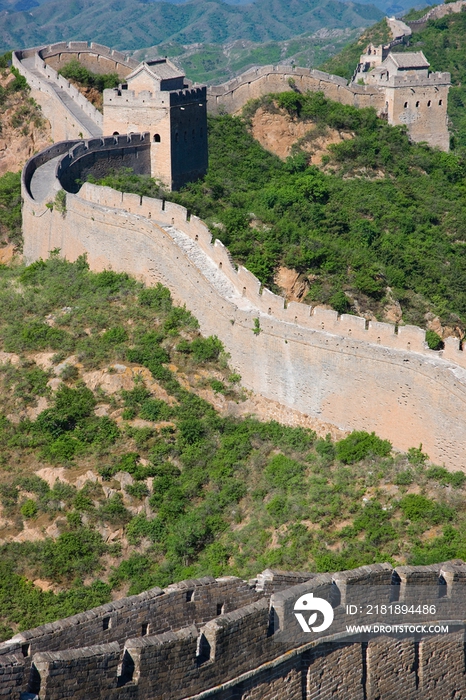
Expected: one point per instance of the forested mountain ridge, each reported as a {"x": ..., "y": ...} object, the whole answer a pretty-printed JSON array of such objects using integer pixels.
[
  {"x": 216, "y": 63},
  {"x": 133, "y": 24}
]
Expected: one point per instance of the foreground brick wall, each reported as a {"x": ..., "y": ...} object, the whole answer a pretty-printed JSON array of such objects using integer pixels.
[{"x": 249, "y": 652}]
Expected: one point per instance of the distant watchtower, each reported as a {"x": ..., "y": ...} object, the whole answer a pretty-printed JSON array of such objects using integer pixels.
[
  {"x": 157, "y": 98},
  {"x": 413, "y": 96}
]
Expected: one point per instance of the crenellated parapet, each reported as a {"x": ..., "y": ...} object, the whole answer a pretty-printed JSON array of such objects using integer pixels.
[
  {"x": 103, "y": 59},
  {"x": 233, "y": 95},
  {"x": 223, "y": 639}
]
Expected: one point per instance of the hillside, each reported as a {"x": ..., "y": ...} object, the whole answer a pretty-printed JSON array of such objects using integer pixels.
[
  {"x": 132, "y": 24},
  {"x": 345, "y": 62},
  {"x": 117, "y": 472},
  {"x": 443, "y": 42}
]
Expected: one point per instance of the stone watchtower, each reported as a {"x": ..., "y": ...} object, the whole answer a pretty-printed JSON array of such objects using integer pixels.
[
  {"x": 157, "y": 98},
  {"x": 413, "y": 96}
]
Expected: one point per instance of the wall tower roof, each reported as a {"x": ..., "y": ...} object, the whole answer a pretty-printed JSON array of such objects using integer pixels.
[
  {"x": 406, "y": 61},
  {"x": 160, "y": 74}
]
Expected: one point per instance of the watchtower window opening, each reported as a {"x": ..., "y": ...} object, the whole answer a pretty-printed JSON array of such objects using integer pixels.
[
  {"x": 405, "y": 105},
  {"x": 25, "y": 649},
  {"x": 116, "y": 133},
  {"x": 106, "y": 623},
  {"x": 220, "y": 608},
  {"x": 429, "y": 103},
  {"x": 144, "y": 629},
  {"x": 189, "y": 596},
  {"x": 157, "y": 138}
]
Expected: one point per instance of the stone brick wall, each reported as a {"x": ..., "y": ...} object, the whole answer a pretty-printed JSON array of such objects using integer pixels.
[
  {"x": 234, "y": 94},
  {"x": 188, "y": 136},
  {"x": 95, "y": 57},
  {"x": 243, "y": 655},
  {"x": 12, "y": 669},
  {"x": 436, "y": 13},
  {"x": 63, "y": 123},
  {"x": 309, "y": 360},
  {"x": 423, "y": 122},
  {"x": 177, "y": 123},
  {"x": 100, "y": 156}
]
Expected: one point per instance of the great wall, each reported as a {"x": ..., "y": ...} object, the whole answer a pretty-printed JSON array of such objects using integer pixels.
[
  {"x": 223, "y": 639},
  {"x": 310, "y": 360},
  {"x": 228, "y": 639}
]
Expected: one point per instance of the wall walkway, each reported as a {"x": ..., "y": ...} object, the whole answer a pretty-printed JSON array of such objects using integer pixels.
[{"x": 70, "y": 114}]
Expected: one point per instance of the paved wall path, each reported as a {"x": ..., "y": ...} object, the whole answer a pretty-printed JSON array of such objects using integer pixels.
[{"x": 89, "y": 124}]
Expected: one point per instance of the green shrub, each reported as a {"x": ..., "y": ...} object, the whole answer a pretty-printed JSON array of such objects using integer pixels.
[
  {"x": 74, "y": 70},
  {"x": 138, "y": 490},
  {"x": 416, "y": 456},
  {"x": 155, "y": 410},
  {"x": 115, "y": 336},
  {"x": 326, "y": 448},
  {"x": 72, "y": 554},
  {"x": 455, "y": 479},
  {"x": 157, "y": 298},
  {"x": 29, "y": 508},
  {"x": 283, "y": 472},
  {"x": 420, "y": 508},
  {"x": 206, "y": 349},
  {"x": 34, "y": 336},
  {"x": 340, "y": 302},
  {"x": 359, "y": 445},
  {"x": 82, "y": 502},
  {"x": 218, "y": 386},
  {"x": 404, "y": 478},
  {"x": 374, "y": 520},
  {"x": 434, "y": 341},
  {"x": 191, "y": 430}
]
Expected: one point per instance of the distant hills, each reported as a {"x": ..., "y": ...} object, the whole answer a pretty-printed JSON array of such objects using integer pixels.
[
  {"x": 217, "y": 63},
  {"x": 134, "y": 24}
]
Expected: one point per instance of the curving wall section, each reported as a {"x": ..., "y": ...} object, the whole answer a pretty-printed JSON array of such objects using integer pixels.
[
  {"x": 436, "y": 12},
  {"x": 70, "y": 114},
  {"x": 96, "y": 57},
  {"x": 340, "y": 370},
  {"x": 233, "y": 95}
]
